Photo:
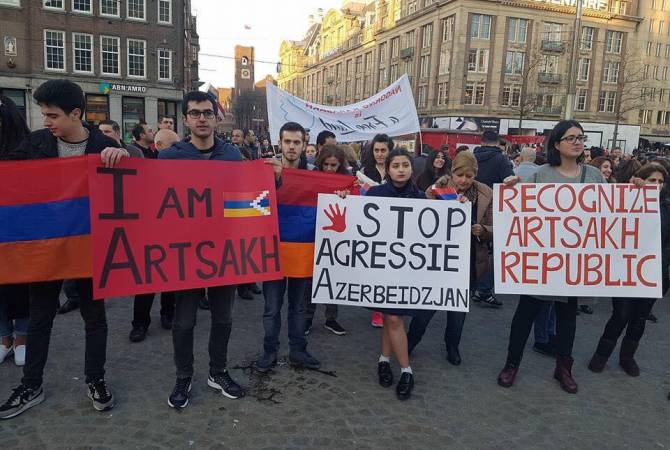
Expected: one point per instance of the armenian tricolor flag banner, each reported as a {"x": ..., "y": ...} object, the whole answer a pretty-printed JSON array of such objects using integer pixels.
[
  {"x": 44, "y": 220},
  {"x": 246, "y": 204},
  {"x": 297, "y": 198},
  {"x": 445, "y": 193}
]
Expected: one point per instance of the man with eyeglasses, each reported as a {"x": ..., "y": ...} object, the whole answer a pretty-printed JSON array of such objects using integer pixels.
[{"x": 200, "y": 118}]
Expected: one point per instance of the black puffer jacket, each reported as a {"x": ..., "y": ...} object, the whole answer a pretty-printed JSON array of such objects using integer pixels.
[
  {"x": 42, "y": 144},
  {"x": 494, "y": 166}
]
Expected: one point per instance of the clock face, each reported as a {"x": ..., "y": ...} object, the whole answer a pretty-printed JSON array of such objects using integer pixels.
[
  {"x": 245, "y": 73},
  {"x": 245, "y": 61}
]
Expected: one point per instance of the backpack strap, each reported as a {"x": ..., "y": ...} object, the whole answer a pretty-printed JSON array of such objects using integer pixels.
[{"x": 583, "y": 177}]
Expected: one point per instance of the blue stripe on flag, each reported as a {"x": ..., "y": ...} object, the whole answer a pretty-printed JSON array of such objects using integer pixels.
[{"x": 39, "y": 221}]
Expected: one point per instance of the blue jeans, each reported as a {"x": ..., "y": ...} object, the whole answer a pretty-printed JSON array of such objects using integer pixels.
[
  {"x": 544, "y": 326},
  {"x": 274, "y": 291},
  {"x": 486, "y": 282},
  {"x": 9, "y": 327}
]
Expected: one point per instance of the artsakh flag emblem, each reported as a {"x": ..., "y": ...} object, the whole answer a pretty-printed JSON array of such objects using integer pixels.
[{"x": 246, "y": 204}]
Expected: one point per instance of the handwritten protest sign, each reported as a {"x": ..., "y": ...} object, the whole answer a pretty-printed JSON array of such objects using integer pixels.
[
  {"x": 392, "y": 253},
  {"x": 390, "y": 111},
  {"x": 170, "y": 225},
  {"x": 596, "y": 240}
]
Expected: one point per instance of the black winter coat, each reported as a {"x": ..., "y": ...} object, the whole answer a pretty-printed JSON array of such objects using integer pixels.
[{"x": 42, "y": 144}]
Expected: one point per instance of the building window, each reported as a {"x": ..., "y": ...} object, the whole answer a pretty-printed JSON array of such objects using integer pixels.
[
  {"x": 426, "y": 35},
  {"x": 448, "y": 29},
  {"x": 514, "y": 62},
  {"x": 478, "y": 60},
  {"x": 611, "y": 72},
  {"x": 480, "y": 26},
  {"x": 474, "y": 94},
  {"x": 410, "y": 39},
  {"x": 552, "y": 32},
  {"x": 395, "y": 47},
  {"x": 109, "y": 55},
  {"x": 606, "y": 101},
  {"x": 659, "y": 47},
  {"x": 19, "y": 98},
  {"x": 165, "y": 11},
  {"x": 359, "y": 65},
  {"x": 645, "y": 116},
  {"x": 137, "y": 58},
  {"x": 587, "y": 38},
  {"x": 394, "y": 72},
  {"x": 82, "y": 49},
  {"x": 164, "y": 64},
  {"x": 97, "y": 109},
  {"x": 549, "y": 64},
  {"x": 54, "y": 50},
  {"x": 580, "y": 99},
  {"x": 667, "y": 51},
  {"x": 442, "y": 94},
  {"x": 132, "y": 112},
  {"x": 584, "y": 69},
  {"x": 665, "y": 73},
  {"x": 619, "y": 7},
  {"x": 425, "y": 66},
  {"x": 423, "y": 96},
  {"x": 54, "y": 4},
  {"x": 136, "y": 9},
  {"x": 511, "y": 95},
  {"x": 648, "y": 50},
  {"x": 445, "y": 61},
  {"x": 613, "y": 42},
  {"x": 82, "y": 6},
  {"x": 517, "y": 30},
  {"x": 109, "y": 8}
]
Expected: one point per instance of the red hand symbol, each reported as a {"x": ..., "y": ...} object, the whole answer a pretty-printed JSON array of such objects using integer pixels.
[{"x": 337, "y": 218}]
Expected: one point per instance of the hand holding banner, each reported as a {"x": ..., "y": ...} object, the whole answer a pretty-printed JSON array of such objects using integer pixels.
[{"x": 392, "y": 253}]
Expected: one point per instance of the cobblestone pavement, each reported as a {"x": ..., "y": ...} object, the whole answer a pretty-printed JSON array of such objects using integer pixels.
[{"x": 343, "y": 406}]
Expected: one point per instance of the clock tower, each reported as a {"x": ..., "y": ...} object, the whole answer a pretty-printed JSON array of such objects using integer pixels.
[{"x": 244, "y": 69}]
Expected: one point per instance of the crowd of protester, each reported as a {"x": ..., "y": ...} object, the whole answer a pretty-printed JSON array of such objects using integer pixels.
[{"x": 27, "y": 311}]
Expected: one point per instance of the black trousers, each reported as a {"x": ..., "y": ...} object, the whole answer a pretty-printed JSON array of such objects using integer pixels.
[
  {"x": 629, "y": 314},
  {"x": 43, "y": 298},
  {"x": 221, "y": 300},
  {"x": 452, "y": 332},
  {"x": 142, "y": 308},
  {"x": 526, "y": 311},
  {"x": 15, "y": 296}
]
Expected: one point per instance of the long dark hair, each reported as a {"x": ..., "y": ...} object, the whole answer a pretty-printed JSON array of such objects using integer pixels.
[
  {"x": 393, "y": 154},
  {"x": 13, "y": 128},
  {"x": 553, "y": 155},
  {"x": 328, "y": 151},
  {"x": 368, "y": 161}
]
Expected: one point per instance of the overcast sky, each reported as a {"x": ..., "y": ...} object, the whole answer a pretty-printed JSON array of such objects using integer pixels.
[{"x": 221, "y": 25}]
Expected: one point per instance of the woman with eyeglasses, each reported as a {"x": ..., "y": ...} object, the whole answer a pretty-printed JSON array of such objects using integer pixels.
[
  {"x": 631, "y": 313},
  {"x": 565, "y": 152},
  {"x": 438, "y": 165}
]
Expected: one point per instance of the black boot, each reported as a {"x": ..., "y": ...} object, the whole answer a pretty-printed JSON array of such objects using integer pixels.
[
  {"x": 626, "y": 357},
  {"x": 602, "y": 354}
]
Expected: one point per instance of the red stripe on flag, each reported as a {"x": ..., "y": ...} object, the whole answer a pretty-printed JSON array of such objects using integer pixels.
[
  {"x": 302, "y": 187},
  {"x": 43, "y": 181}
]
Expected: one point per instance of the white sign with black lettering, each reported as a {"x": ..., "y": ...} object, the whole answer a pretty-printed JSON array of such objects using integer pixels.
[{"x": 392, "y": 253}]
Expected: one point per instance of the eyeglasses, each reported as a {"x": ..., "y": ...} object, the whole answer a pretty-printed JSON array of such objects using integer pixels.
[
  {"x": 196, "y": 113},
  {"x": 573, "y": 139}
]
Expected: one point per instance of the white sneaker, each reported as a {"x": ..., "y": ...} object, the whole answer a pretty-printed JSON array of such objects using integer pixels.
[
  {"x": 20, "y": 355},
  {"x": 5, "y": 352}
]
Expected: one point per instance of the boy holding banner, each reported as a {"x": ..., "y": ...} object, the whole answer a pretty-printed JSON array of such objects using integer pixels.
[{"x": 62, "y": 104}]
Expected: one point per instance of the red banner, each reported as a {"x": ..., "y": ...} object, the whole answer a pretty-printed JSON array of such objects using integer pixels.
[{"x": 170, "y": 225}]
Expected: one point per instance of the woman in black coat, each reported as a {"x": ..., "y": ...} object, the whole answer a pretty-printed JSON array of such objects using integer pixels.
[{"x": 438, "y": 164}]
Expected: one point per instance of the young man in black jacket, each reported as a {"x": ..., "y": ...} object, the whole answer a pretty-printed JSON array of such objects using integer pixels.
[{"x": 64, "y": 135}]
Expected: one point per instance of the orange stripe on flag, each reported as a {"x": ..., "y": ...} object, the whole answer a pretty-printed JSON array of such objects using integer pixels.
[
  {"x": 46, "y": 260},
  {"x": 296, "y": 259}
]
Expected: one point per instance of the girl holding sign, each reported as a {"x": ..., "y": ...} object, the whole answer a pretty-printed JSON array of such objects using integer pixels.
[
  {"x": 398, "y": 173},
  {"x": 565, "y": 153},
  {"x": 631, "y": 313},
  {"x": 464, "y": 170}
]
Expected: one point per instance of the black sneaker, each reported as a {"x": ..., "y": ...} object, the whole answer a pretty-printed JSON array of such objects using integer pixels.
[
  {"x": 100, "y": 395},
  {"x": 652, "y": 318},
  {"x": 225, "y": 384},
  {"x": 405, "y": 386},
  {"x": 545, "y": 348},
  {"x": 490, "y": 300},
  {"x": 267, "y": 362},
  {"x": 138, "y": 333},
  {"x": 244, "y": 292},
  {"x": 203, "y": 303},
  {"x": 586, "y": 309},
  {"x": 179, "y": 397},
  {"x": 22, "y": 398},
  {"x": 334, "y": 327},
  {"x": 303, "y": 359},
  {"x": 385, "y": 374},
  {"x": 253, "y": 287}
]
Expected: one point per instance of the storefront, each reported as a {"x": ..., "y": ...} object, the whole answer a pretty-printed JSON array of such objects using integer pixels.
[
  {"x": 97, "y": 108},
  {"x": 166, "y": 108},
  {"x": 132, "y": 113}
]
